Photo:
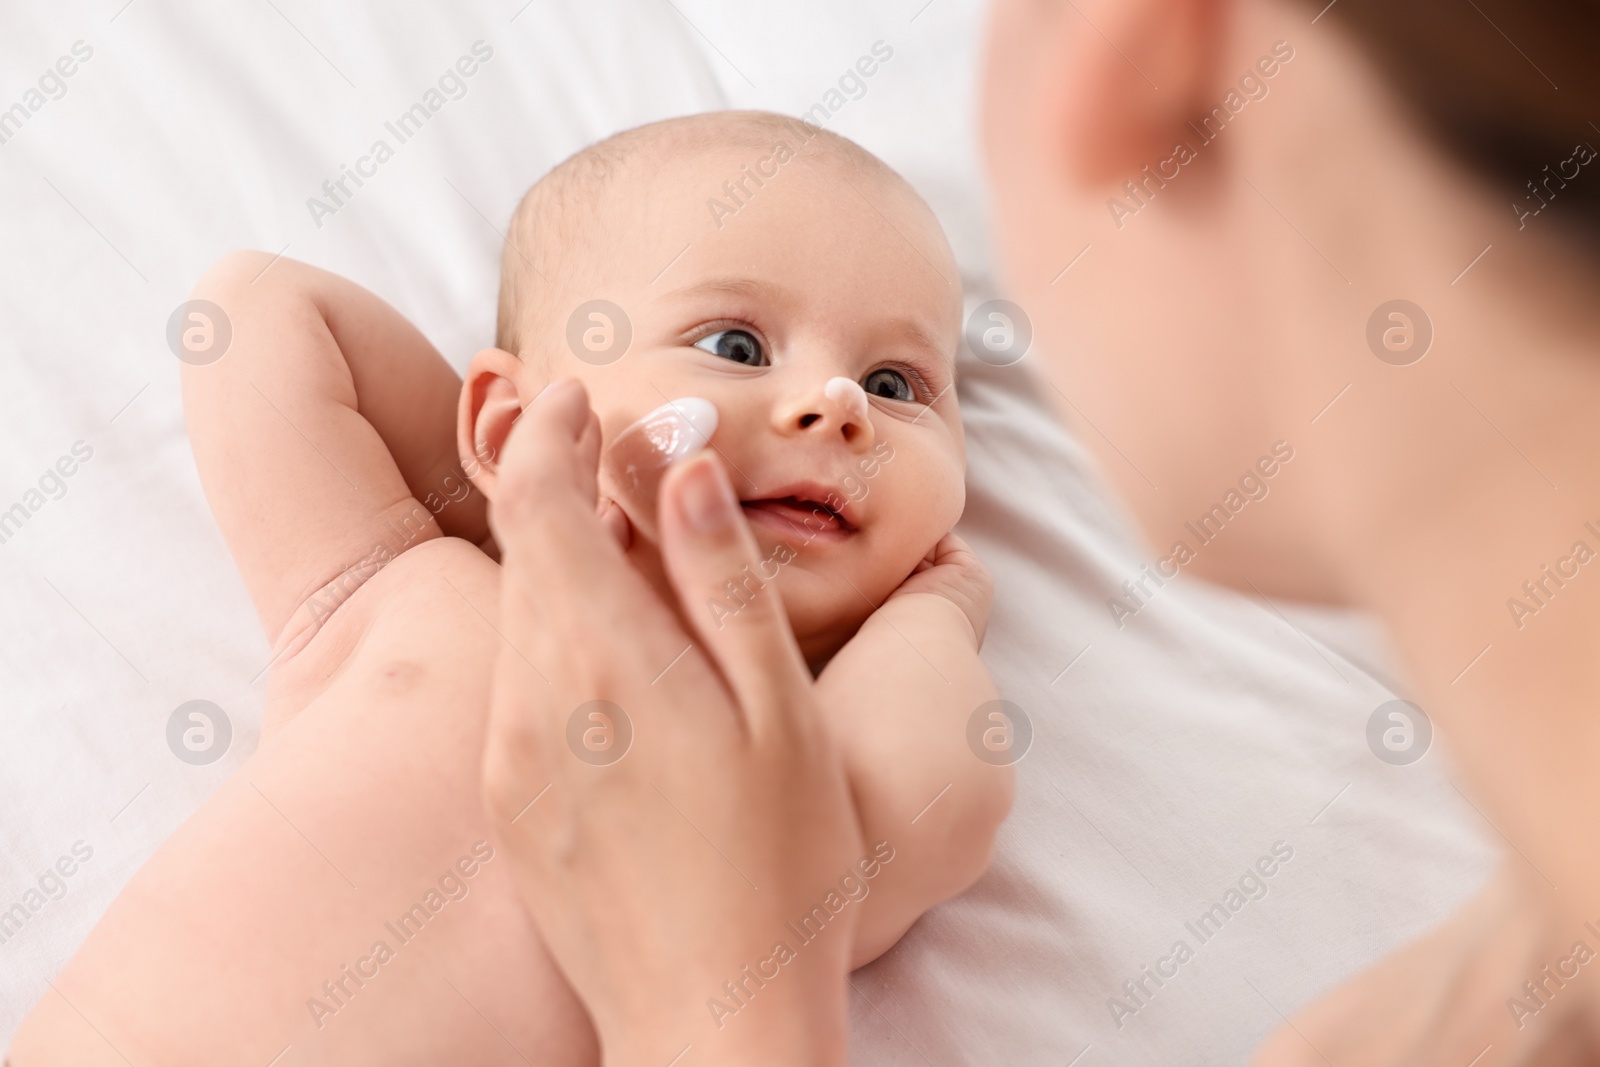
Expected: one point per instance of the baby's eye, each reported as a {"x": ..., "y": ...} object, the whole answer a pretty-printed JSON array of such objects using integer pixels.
[
  {"x": 741, "y": 346},
  {"x": 889, "y": 384}
]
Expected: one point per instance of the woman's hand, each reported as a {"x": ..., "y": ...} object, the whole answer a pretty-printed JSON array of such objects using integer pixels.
[{"x": 670, "y": 841}]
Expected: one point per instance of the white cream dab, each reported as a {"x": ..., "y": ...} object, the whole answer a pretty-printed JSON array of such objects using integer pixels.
[
  {"x": 635, "y": 462},
  {"x": 848, "y": 394}
]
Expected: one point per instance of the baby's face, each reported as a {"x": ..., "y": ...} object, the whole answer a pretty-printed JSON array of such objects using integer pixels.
[{"x": 822, "y": 273}]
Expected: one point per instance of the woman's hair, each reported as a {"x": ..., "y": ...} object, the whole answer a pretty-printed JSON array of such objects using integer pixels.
[{"x": 1508, "y": 86}]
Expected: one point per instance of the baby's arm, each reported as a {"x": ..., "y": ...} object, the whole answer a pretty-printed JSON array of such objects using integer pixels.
[
  {"x": 898, "y": 698},
  {"x": 317, "y": 434}
]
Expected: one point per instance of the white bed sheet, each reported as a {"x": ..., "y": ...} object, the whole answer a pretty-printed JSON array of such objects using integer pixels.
[{"x": 1172, "y": 754}]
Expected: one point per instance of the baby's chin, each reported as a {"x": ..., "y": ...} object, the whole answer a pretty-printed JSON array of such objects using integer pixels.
[
  {"x": 824, "y": 605},
  {"x": 824, "y": 611}
]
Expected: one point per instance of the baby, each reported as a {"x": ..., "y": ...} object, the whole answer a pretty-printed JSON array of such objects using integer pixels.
[{"x": 736, "y": 281}]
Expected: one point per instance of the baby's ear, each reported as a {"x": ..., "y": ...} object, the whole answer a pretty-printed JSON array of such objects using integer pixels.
[{"x": 491, "y": 402}]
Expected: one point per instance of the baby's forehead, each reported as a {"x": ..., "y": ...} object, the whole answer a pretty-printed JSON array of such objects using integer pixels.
[
  {"x": 708, "y": 198},
  {"x": 720, "y": 166},
  {"x": 719, "y": 162}
]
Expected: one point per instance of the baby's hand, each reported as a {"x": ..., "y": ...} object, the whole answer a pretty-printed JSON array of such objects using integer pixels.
[{"x": 953, "y": 571}]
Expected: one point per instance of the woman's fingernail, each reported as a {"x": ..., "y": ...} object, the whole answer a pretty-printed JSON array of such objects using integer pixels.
[{"x": 708, "y": 501}]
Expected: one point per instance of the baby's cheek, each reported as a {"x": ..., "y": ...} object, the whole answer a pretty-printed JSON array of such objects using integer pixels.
[
  {"x": 923, "y": 493},
  {"x": 888, "y": 561}
]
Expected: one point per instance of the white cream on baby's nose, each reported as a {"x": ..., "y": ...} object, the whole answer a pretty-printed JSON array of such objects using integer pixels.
[{"x": 848, "y": 394}]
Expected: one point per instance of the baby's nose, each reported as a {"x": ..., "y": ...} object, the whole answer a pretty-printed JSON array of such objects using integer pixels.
[{"x": 839, "y": 407}]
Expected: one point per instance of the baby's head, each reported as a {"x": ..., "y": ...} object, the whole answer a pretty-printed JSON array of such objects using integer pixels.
[{"x": 753, "y": 261}]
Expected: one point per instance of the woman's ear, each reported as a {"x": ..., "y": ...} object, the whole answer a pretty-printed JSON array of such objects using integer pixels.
[
  {"x": 491, "y": 402},
  {"x": 1119, "y": 81}
]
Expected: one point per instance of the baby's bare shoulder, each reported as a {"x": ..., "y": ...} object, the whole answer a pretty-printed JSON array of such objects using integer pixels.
[
  {"x": 419, "y": 621},
  {"x": 431, "y": 588}
]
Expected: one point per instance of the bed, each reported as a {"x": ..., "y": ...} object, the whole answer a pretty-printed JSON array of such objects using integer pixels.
[{"x": 1176, "y": 755}]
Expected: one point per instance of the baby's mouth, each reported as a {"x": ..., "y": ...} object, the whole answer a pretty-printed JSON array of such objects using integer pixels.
[{"x": 800, "y": 517}]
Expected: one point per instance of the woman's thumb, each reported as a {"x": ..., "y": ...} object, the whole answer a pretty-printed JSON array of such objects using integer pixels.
[{"x": 728, "y": 597}]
